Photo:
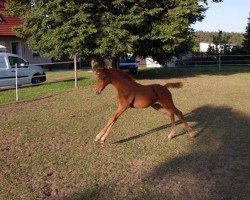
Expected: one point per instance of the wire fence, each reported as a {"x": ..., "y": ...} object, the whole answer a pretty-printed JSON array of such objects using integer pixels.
[
  {"x": 75, "y": 72},
  {"x": 17, "y": 77},
  {"x": 216, "y": 60},
  {"x": 54, "y": 72}
]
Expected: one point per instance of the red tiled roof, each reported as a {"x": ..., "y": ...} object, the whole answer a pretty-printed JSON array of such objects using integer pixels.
[{"x": 6, "y": 27}]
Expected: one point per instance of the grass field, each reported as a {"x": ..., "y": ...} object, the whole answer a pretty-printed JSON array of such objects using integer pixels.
[
  {"x": 47, "y": 148},
  {"x": 57, "y": 81}
]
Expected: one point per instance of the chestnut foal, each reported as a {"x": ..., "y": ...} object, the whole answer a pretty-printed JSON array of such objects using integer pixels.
[{"x": 134, "y": 95}]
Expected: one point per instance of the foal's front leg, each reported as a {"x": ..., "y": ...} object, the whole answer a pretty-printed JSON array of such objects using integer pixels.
[{"x": 105, "y": 131}]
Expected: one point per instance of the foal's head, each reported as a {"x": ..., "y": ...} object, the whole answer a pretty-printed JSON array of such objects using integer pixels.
[{"x": 102, "y": 80}]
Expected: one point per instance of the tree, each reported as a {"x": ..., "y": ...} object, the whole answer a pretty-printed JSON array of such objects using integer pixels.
[
  {"x": 205, "y": 36},
  {"x": 107, "y": 29},
  {"x": 210, "y": 50},
  {"x": 221, "y": 43},
  {"x": 220, "y": 46},
  {"x": 246, "y": 42}
]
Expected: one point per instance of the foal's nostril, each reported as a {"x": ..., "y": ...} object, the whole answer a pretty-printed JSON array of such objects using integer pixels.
[{"x": 97, "y": 92}]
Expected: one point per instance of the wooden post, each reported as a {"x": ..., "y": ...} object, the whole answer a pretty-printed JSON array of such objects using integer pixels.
[
  {"x": 16, "y": 82},
  {"x": 75, "y": 71},
  {"x": 219, "y": 62}
]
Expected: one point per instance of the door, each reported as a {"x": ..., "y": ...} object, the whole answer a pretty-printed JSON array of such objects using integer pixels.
[
  {"x": 22, "y": 70},
  {"x": 15, "y": 48}
]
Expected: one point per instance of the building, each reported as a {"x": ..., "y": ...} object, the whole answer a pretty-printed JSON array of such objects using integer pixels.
[
  {"x": 204, "y": 46},
  {"x": 149, "y": 62},
  {"x": 10, "y": 43}
]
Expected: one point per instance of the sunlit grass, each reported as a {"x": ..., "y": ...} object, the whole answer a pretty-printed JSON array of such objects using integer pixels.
[
  {"x": 47, "y": 149},
  {"x": 58, "y": 81}
]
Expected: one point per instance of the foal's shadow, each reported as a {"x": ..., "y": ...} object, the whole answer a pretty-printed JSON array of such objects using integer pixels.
[
  {"x": 142, "y": 134},
  {"x": 203, "y": 117},
  {"x": 148, "y": 132}
]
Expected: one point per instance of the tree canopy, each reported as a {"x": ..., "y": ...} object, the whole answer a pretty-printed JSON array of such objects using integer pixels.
[
  {"x": 108, "y": 29},
  {"x": 246, "y": 42},
  {"x": 205, "y": 36},
  {"x": 221, "y": 45}
]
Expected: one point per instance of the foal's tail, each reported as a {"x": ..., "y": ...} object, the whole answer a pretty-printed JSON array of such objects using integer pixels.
[{"x": 174, "y": 85}]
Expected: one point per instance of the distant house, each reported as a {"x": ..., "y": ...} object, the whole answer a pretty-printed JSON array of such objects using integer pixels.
[
  {"x": 149, "y": 62},
  {"x": 204, "y": 47},
  {"x": 174, "y": 62},
  {"x": 10, "y": 43}
]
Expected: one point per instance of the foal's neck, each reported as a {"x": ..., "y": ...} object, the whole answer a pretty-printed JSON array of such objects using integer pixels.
[{"x": 120, "y": 80}]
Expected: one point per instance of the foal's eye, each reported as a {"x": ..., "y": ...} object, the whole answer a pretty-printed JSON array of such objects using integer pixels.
[{"x": 103, "y": 78}]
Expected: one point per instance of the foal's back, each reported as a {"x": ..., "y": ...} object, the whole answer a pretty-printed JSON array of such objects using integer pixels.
[{"x": 143, "y": 95}]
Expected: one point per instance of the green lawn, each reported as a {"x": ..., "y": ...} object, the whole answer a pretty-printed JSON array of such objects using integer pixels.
[
  {"x": 57, "y": 81},
  {"x": 47, "y": 148}
]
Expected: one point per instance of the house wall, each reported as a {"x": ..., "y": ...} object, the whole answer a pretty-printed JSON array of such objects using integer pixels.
[
  {"x": 151, "y": 63},
  {"x": 204, "y": 46},
  {"x": 22, "y": 49}
]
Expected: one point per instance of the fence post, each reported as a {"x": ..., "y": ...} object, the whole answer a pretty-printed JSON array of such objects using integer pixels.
[
  {"x": 16, "y": 82},
  {"x": 219, "y": 62},
  {"x": 75, "y": 71}
]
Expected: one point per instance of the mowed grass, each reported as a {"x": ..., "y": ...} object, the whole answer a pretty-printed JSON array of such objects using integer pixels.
[
  {"x": 63, "y": 80},
  {"x": 47, "y": 148}
]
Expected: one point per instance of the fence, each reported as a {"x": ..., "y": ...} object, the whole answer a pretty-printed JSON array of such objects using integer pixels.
[
  {"x": 19, "y": 77},
  {"x": 75, "y": 71},
  {"x": 216, "y": 60}
]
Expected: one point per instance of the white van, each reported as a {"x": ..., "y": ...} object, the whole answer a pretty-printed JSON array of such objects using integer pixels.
[{"x": 26, "y": 74}]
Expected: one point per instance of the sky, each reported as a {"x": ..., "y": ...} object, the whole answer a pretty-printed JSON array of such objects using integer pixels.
[{"x": 228, "y": 16}]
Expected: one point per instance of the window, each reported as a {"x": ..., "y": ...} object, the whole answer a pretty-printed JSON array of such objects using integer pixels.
[
  {"x": 2, "y": 62},
  {"x": 15, "y": 47},
  {"x": 15, "y": 60}
]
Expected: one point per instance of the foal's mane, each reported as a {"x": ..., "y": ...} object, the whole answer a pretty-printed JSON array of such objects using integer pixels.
[{"x": 119, "y": 74}]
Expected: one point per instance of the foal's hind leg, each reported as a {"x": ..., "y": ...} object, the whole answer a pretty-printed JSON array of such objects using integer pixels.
[
  {"x": 181, "y": 117},
  {"x": 173, "y": 131},
  {"x": 158, "y": 107}
]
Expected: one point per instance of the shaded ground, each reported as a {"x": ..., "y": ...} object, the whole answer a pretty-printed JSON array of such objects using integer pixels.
[
  {"x": 47, "y": 149},
  {"x": 216, "y": 167}
]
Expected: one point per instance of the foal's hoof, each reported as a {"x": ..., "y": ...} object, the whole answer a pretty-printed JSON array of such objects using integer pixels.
[
  {"x": 101, "y": 141},
  {"x": 192, "y": 134},
  {"x": 170, "y": 136}
]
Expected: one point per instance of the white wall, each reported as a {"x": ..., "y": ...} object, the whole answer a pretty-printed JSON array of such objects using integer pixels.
[
  {"x": 204, "y": 46},
  {"x": 151, "y": 63},
  {"x": 23, "y": 49}
]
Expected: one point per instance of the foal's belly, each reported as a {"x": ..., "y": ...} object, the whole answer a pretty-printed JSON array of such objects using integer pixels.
[
  {"x": 142, "y": 104},
  {"x": 144, "y": 99}
]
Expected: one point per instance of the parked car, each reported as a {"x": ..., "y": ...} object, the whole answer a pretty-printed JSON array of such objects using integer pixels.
[
  {"x": 129, "y": 64},
  {"x": 26, "y": 73}
]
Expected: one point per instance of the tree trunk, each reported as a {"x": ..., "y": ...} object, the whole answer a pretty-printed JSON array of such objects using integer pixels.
[
  {"x": 97, "y": 62},
  {"x": 112, "y": 63}
]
